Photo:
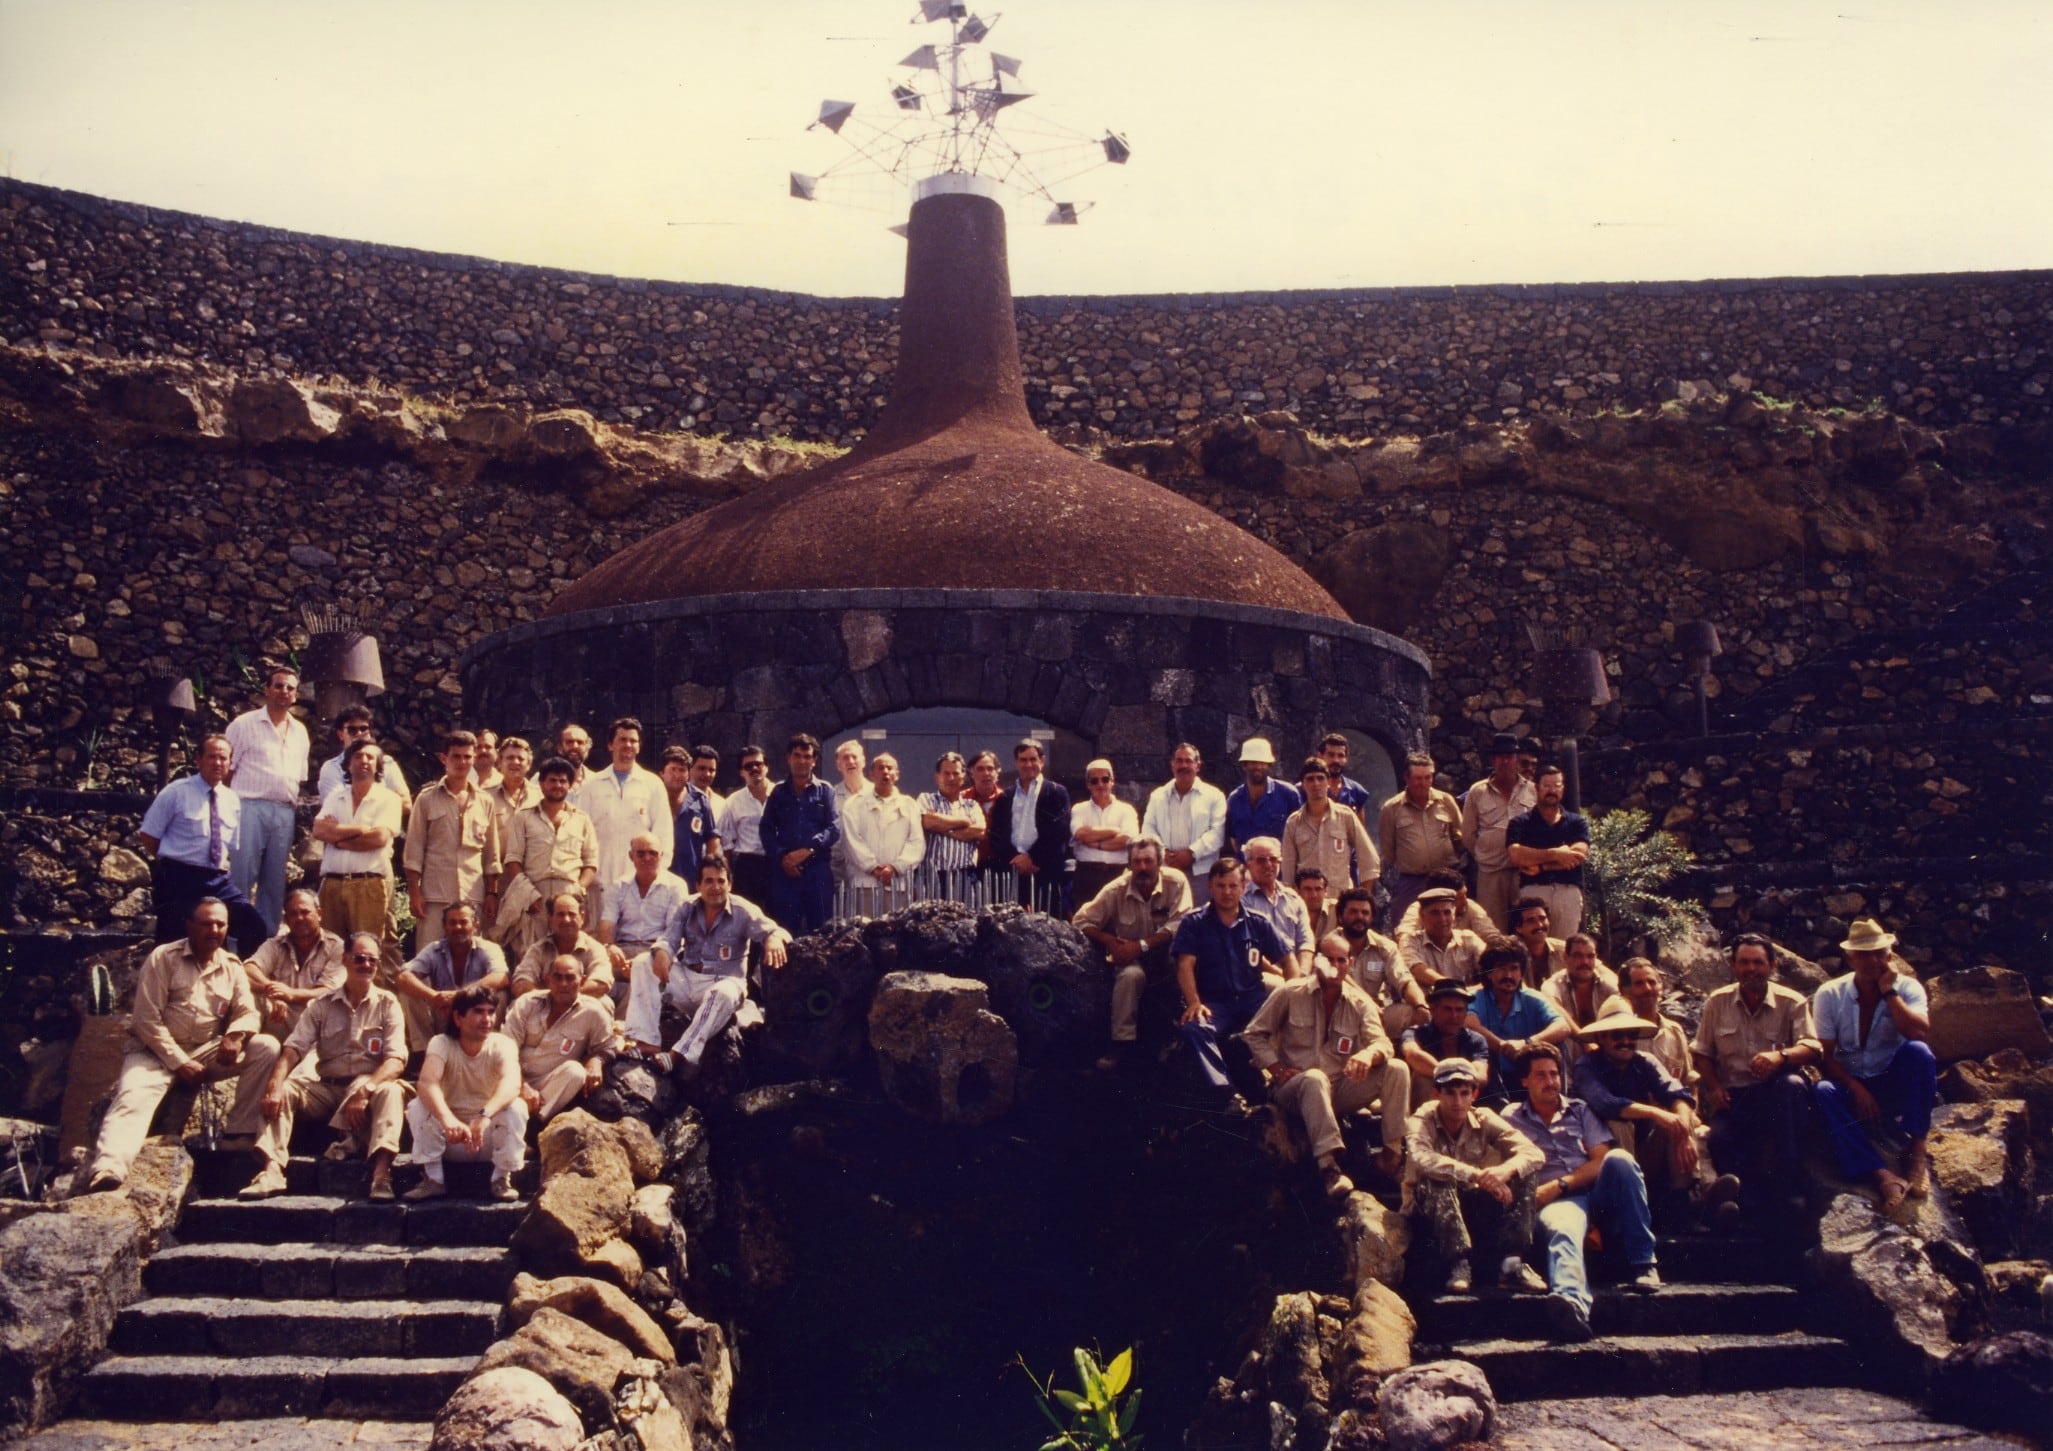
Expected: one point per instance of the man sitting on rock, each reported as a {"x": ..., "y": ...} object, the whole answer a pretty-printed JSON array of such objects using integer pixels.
[
  {"x": 1510, "y": 1016},
  {"x": 458, "y": 959},
  {"x": 1580, "y": 1181},
  {"x": 1650, "y": 1115},
  {"x": 1872, "y": 1023},
  {"x": 1227, "y": 961},
  {"x": 1577, "y": 991},
  {"x": 194, "y": 1022},
  {"x": 638, "y": 907},
  {"x": 564, "y": 1040},
  {"x": 470, "y": 1105},
  {"x": 290, "y": 970},
  {"x": 1462, "y": 1160},
  {"x": 1377, "y": 964},
  {"x": 1643, "y": 985},
  {"x": 1752, "y": 1042},
  {"x": 1267, "y": 897},
  {"x": 1468, "y": 913},
  {"x": 1133, "y": 919},
  {"x": 355, "y": 1037},
  {"x": 1419, "y": 1056},
  {"x": 1321, "y": 1041},
  {"x": 701, "y": 965}
]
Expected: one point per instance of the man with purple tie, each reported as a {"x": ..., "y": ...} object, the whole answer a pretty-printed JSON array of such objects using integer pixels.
[{"x": 189, "y": 831}]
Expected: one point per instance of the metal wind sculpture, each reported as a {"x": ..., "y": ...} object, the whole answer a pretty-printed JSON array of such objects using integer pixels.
[{"x": 940, "y": 117}]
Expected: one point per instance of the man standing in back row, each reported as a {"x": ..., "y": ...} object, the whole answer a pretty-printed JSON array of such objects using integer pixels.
[
  {"x": 1419, "y": 833},
  {"x": 270, "y": 751}
]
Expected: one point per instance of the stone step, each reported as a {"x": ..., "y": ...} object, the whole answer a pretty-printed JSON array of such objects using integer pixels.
[
  {"x": 201, "y": 1387},
  {"x": 1678, "y": 1309},
  {"x": 1662, "y": 1365},
  {"x": 202, "y": 1324},
  {"x": 331, "y": 1271},
  {"x": 1730, "y": 1258},
  {"x": 218, "y": 1174},
  {"x": 319, "y": 1218}
]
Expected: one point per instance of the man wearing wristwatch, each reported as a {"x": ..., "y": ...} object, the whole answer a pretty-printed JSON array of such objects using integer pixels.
[{"x": 1752, "y": 1043}]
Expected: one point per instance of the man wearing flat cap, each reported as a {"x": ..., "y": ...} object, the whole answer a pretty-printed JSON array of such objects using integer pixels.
[
  {"x": 1445, "y": 1034},
  {"x": 1872, "y": 1023},
  {"x": 1489, "y": 808},
  {"x": 1463, "y": 1161}
]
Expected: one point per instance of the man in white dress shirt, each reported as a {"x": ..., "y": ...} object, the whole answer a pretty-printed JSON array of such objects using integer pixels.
[
  {"x": 623, "y": 801},
  {"x": 1188, "y": 815},
  {"x": 881, "y": 829},
  {"x": 271, "y": 750}
]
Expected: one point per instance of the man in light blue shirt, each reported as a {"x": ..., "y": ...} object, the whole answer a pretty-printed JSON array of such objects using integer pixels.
[
  {"x": 1511, "y": 1016},
  {"x": 1873, "y": 1022},
  {"x": 190, "y": 830}
]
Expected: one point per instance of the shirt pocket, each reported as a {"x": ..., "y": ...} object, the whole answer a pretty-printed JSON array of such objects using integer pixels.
[{"x": 1304, "y": 1015}]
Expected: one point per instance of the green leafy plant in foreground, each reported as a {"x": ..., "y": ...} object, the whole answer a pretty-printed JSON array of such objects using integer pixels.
[
  {"x": 1094, "y": 1420},
  {"x": 1629, "y": 869}
]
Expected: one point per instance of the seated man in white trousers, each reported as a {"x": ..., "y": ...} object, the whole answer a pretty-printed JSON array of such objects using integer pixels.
[
  {"x": 701, "y": 965},
  {"x": 195, "y": 1021},
  {"x": 470, "y": 1106}
]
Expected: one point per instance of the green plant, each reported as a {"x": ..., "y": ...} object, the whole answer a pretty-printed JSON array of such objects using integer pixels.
[
  {"x": 1629, "y": 869},
  {"x": 1095, "y": 1419}
]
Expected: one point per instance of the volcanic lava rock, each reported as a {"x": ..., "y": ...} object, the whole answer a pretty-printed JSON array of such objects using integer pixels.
[
  {"x": 941, "y": 1052},
  {"x": 1046, "y": 981},
  {"x": 818, "y": 1002}
]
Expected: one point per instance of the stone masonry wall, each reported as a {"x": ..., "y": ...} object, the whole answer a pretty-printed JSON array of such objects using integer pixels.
[{"x": 130, "y": 280}]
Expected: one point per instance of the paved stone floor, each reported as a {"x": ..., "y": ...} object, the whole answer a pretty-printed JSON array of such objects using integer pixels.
[
  {"x": 1825, "y": 1419},
  {"x": 278, "y": 1433}
]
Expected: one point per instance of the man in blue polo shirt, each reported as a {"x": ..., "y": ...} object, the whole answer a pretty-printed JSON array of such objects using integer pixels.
[
  {"x": 1221, "y": 954},
  {"x": 1258, "y": 807},
  {"x": 190, "y": 832},
  {"x": 1872, "y": 1023},
  {"x": 1511, "y": 1016}
]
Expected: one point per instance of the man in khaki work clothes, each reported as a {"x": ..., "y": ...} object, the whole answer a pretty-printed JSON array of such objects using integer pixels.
[
  {"x": 356, "y": 1039},
  {"x": 1321, "y": 1042},
  {"x": 1462, "y": 1159},
  {"x": 194, "y": 1021},
  {"x": 564, "y": 1039},
  {"x": 452, "y": 844},
  {"x": 292, "y": 969},
  {"x": 555, "y": 847},
  {"x": 567, "y": 938},
  {"x": 1133, "y": 919}
]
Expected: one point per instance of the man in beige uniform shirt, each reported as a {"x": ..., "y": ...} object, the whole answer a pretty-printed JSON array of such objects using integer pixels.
[
  {"x": 1419, "y": 832},
  {"x": 1752, "y": 1042},
  {"x": 567, "y": 938},
  {"x": 514, "y": 790},
  {"x": 553, "y": 845},
  {"x": 1486, "y": 812},
  {"x": 452, "y": 844},
  {"x": 564, "y": 1039},
  {"x": 195, "y": 1021},
  {"x": 1441, "y": 949},
  {"x": 290, "y": 970},
  {"x": 355, "y": 1038},
  {"x": 1321, "y": 1042},
  {"x": 1132, "y": 919},
  {"x": 1324, "y": 834},
  {"x": 1461, "y": 1159},
  {"x": 470, "y": 1104}
]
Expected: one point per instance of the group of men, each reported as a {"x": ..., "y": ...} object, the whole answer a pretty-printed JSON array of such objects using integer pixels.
[{"x": 1502, "y": 1057}]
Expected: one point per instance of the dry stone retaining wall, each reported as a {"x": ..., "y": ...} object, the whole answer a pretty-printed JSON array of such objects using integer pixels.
[{"x": 132, "y": 280}]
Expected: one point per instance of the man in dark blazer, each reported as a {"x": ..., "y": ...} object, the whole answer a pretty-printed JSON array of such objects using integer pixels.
[{"x": 1029, "y": 832}]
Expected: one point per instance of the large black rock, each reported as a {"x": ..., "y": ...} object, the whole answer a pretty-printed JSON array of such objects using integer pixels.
[
  {"x": 818, "y": 1003},
  {"x": 932, "y": 936},
  {"x": 1047, "y": 981}
]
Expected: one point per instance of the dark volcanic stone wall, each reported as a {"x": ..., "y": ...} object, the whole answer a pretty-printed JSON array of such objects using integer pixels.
[{"x": 130, "y": 280}]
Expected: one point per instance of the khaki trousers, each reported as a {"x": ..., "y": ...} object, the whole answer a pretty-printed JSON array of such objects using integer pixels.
[
  {"x": 322, "y": 1098},
  {"x": 362, "y": 904},
  {"x": 1320, "y": 1103},
  {"x": 1495, "y": 892},
  {"x": 559, "y": 1089},
  {"x": 145, "y": 1080}
]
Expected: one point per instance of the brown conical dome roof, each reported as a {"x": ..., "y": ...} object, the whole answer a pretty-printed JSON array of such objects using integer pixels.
[{"x": 955, "y": 488}]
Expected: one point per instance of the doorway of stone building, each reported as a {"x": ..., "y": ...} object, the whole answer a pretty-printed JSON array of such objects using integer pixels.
[{"x": 918, "y": 738}]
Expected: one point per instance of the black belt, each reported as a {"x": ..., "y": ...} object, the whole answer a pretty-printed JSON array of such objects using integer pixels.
[{"x": 351, "y": 876}]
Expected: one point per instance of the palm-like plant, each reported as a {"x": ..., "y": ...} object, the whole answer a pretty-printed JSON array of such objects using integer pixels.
[{"x": 1629, "y": 870}]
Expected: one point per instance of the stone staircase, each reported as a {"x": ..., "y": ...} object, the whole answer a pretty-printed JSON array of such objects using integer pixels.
[
  {"x": 1729, "y": 1319},
  {"x": 318, "y": 1302}
]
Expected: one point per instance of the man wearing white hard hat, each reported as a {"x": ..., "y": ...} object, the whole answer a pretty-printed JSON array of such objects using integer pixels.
[
  {"x": 1872, "y": 1022},
  {"x": 1258, "y": 807}
]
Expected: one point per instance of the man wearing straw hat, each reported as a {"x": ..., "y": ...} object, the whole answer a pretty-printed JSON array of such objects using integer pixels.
[
  {"x": 1872, "y": 1023},
  {"x": 1650, "y": 1114}
]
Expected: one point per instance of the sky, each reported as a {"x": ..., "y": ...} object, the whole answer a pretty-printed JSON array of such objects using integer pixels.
[{"x": 1277, "y": 144}]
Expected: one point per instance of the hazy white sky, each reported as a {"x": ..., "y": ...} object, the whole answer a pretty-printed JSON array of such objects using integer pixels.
[{"x": 1277, "y": 143}]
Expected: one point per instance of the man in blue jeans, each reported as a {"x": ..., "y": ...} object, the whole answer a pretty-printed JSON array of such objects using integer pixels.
[
  {"x": 1222, "y": 955},
  {"x": 1872, "y": 1023},
  {"x": 1581, "y": 1181}
]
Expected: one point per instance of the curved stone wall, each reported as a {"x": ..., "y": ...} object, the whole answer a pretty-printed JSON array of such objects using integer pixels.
[
  {"x": 132, "y": 280},
  {"x": 1133, "y": 675}
]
